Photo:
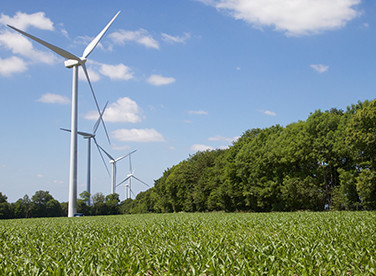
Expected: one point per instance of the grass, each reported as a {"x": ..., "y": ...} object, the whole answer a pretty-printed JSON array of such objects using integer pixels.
[{"x": 302, "y": 243}]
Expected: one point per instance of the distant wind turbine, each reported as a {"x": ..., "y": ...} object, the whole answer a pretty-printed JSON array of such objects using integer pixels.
[
  {"x": 90, "y": 136},
  {"x": 113, "y": 162},
  {"x": 73, "y": 62},
  {"x": 128, "y": 186}
]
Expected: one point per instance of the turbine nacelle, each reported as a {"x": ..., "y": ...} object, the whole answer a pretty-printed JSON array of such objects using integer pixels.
[{"x": 73, "y": 62}]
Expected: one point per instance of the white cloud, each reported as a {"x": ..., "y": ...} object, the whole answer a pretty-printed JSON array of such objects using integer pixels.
[
  {"x": 23, "y": 21},
  {"x": 20, "y": 45},
  {"x": 124, "y": 110},
  {"x": 39, "y": 175},
  {"x": 176, "y": 39},
  {"x": 141, "y": 37},
  {"x": 116, "y": 72},
  {"x": 293, "y": 17},
  {"x": 137, "y": 135},
  {"x": 268, "y": 112},
  {"x": 53, "y": 99},
  {"x": 198, "y": 112},
  {"x": 159, "y": 80},
  {"x": 320, "y": 68},
  {"x": 11, "y": 66},
  {"x": 222, "y": 138},
  {"x": 200, "y": 147}
]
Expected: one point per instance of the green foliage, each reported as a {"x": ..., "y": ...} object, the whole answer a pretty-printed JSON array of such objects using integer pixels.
[
  {"x": 5, "y": 207},
  {"x": 366, "y": 187},
  {"x": 326, "y": 161},
  {"x": 300, "y": 243}
]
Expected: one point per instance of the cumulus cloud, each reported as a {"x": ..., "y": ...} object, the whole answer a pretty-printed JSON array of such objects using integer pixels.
[
  {"x": 137, "y": 135},
  {"x": 294, "y": 18},
  {"x": 141, "y": 37},
  {"x": 269, "y": 113},
  {"x": 159, "y": 80},
  {"x": 20, "y": 45},
  {"x": 124, "y": 110},
  {"x": 320, "y": 68},
  {"x": 116, "y": 72},
  {"x": 224, "y": 139},
  {"x": 23, "y": 21},
  {"x": 175, "y": 39},
  {"x": 11, "y": 66},
  {"x": 200, "y": 147},
  {"x": 53, "y": 99},
  {"x": 198, "y": 112}
]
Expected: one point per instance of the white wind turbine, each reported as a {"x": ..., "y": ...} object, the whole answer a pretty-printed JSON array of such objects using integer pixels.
[
  {"x": 90, "y": 136},
  {"x": 113, "y": 162},
  {"x": 73, "y": 62},
  {"x": 128, "y": 186}
]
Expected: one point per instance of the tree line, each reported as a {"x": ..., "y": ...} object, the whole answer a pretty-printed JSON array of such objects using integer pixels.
[
  {"x": 325, "y": 162},
  {"x": 42, "y": 204}
]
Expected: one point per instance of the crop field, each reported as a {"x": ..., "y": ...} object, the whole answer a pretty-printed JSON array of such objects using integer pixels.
[{"x": 302, "y": 243}]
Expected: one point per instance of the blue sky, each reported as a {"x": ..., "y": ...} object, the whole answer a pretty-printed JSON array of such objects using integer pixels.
[{"x": 180, "y": 76}]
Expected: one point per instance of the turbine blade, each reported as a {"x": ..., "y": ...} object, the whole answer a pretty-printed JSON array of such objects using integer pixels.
[
  {"x": 108, "y": 155},
  {"x": 130, "y": 164},
  {"x": 125, "y": 155},
  {"x": 67, "y": 130},
  {"x": 123, "y": 180},
  {"x": 121, "y": 157},
  {"x": 132, "y": 193},
  {"x": 140, "y": 181},
  {"x": 89, "y": 48},
  {"x": 54, "y": 48},
  {"x": 100, "y": 153},
  {"x": 95, "y": 128},
  {"x": 85, "y": 134},
  {"x": 95, "y": 99}
]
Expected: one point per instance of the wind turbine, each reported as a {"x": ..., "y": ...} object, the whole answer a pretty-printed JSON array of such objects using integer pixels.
[
  {"x": 73, "y": 62},
  {"x": 113, "y": 162},
  {"x": 90, "y": 136},
  {"x": 128, "y": 186}
]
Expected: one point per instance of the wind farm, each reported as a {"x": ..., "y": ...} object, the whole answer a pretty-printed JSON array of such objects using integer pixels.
[
  {"x": 128, "y": 180},
  {"x": 74, "y": 62}
]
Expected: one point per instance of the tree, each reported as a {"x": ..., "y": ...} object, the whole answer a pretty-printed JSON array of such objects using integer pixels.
[
  {"x": 53, "y": 208},
  {"x": 82, "y": 206},
  {"x": 99, "y": 206},
  {"x": 38, "y": 207},
  {"x": 5, "y": 207},
  {"x": 21, "y": 208},
  {"x": 112, "y": 204},
  {"x": 366, "y": 188}
]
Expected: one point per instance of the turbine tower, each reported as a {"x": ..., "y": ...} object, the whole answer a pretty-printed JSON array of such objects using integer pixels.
[
  {"x": 90, "y": 136},
  {"x": 128, "y": 186},
  {"x": 73, "y": 62},
  {"x": 113, "y": 162}
]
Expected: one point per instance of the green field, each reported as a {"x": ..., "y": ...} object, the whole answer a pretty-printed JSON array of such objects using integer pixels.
[{"x": 302, "y": 243}]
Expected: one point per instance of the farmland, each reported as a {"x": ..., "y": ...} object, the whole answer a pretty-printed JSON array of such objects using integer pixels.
[{"x": 301, "y": 243}]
